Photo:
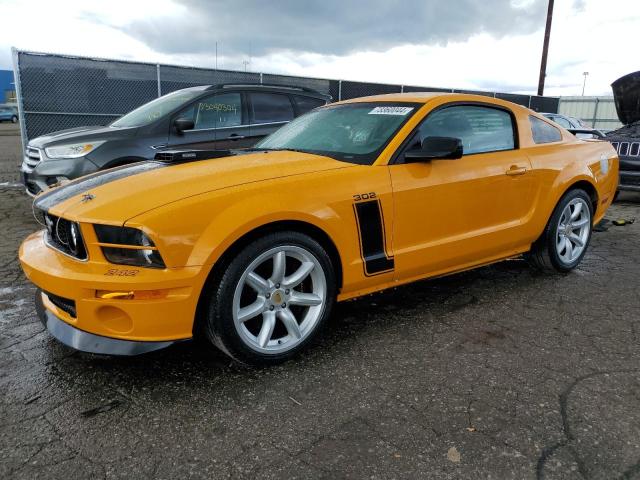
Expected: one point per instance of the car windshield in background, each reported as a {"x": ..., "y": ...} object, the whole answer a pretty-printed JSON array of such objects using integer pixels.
[
  {"x": 355, "y": 132},
  {"x": 155, "y": 109}
]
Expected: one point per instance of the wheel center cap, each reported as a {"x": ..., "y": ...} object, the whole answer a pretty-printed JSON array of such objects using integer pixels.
[{"x": 277, "y": 297}]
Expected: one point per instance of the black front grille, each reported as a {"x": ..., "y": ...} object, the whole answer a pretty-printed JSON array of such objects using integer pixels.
[
  {"x": 60, "y": 235},
  {"x": 627, "y": 149},
  {"x": 32, "y": 157},
  {"x": 64, "y": 304}
]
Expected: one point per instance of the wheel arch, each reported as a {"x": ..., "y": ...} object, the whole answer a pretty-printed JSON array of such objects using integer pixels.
[
  {"x": 588, "y": 187},
  {"x": 241, "y": 242}
]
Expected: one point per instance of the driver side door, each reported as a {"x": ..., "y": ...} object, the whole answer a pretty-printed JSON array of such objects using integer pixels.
[
  {"x": 220, "y": 122},
  {"x": 450, "y": 214}
]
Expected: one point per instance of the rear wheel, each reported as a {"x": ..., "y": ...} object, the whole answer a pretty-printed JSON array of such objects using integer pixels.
[
  {"x": 273, "y": 299},
  {"x": 14, "y": 119},
  {"x": 566, "y": 237}
]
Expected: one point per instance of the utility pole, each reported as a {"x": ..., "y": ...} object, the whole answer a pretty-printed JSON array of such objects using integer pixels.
[
  {"x": 584, "y": 83},
  {"x": 245, "y": 63},
  {"x": 545, "y": 49},
  {"x": 216, "y": 55}
]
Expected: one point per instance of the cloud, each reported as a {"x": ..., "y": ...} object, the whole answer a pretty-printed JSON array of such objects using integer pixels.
[{"x": 337, "y": 27}]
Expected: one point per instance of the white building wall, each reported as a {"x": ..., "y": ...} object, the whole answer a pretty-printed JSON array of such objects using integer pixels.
[{"x": 598, "y": 112}]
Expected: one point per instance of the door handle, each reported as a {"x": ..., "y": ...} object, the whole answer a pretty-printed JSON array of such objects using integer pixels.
[
  {"x": 516, "y": 170},
  {"x": 235, "y": 136}
]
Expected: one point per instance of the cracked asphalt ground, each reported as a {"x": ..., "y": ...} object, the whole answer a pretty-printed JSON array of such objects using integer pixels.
[{"x": 494, "y": 373}]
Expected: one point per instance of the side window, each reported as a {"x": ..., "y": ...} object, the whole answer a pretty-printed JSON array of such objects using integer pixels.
[
  {"x": 481, "y": 129},
  {"x": 270, "y": 107},
  {"x": 216, "y": 111},
  {"x": 543, "y": 132},
  {"x": 305, "y": 104}
]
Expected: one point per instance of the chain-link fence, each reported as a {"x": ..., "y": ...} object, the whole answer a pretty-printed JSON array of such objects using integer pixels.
[{"x": 56, "y": 92}]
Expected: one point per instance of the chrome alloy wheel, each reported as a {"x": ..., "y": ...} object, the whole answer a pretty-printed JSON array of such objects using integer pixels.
[
  {"x": 279, "y": 299},
  {"x": 573, "y": 230}
]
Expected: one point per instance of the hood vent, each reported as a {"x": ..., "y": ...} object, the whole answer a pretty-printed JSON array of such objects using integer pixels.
[{"x": 177, "y": 156}]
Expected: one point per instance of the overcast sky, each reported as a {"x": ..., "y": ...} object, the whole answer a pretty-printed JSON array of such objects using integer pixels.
[{"x": 477, "y": 44}]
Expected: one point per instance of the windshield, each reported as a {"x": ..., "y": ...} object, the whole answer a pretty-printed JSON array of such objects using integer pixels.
[
  {"x": 354, "y": 132},
  {"x": 155, "y": 109}
]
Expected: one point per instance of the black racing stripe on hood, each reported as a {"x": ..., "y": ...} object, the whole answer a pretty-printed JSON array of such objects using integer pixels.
[{"x": 84, "y": 184}]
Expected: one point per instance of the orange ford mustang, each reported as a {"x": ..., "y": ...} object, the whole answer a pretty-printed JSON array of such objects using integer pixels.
[{"x": 252, "y": 250}]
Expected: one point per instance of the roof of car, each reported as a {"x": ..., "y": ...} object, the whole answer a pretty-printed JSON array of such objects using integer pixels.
[
  {"x": 424, "y": 97},
  {"x": 261, "y": 86}
]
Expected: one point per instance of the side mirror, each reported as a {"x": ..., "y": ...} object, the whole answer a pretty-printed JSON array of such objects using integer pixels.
[
  {"x": 183, "y": 124},
  {"x": 435, "y": 148}
]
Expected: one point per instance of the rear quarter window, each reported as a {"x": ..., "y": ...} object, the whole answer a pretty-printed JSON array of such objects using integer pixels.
[
  {"x": 305, "y": 104},
  {"x": 270, "y": 108},
  {"x": 543, "y": 132}
]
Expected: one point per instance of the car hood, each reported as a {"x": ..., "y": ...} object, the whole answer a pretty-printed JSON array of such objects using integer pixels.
[
  {"x": 116, "y": 195},
  {"x": 78, "y": 134},
  {"x": 626, "y": 93}
]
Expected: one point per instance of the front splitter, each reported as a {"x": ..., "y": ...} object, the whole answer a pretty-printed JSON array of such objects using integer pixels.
[{"x": 89, "y": 342}]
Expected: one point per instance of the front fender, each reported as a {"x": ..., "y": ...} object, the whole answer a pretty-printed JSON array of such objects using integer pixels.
[{"x": 197, "y": 230}]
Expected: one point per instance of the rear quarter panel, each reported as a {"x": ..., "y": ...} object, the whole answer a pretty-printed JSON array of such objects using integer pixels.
[{"x": 556, "y": 167}]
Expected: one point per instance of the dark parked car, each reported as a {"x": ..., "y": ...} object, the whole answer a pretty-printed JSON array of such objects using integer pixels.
[
  {"x": 229, "y": 116},
  {"x": 626, "y": 140},
  {"x": 573, "y": 123}
]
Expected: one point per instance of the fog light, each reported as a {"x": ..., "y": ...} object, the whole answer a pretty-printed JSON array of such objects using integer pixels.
[
  {"x": 107, "y": 295},
  {"x": 132, "y": 295}
]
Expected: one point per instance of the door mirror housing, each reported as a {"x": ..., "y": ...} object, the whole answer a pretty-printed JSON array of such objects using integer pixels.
[
  {"x": 435, "y": 148},
  {"x": 183, "y": 124}
]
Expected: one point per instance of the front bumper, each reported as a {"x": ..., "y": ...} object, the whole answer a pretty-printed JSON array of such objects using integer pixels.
[
  {"x": 629, "y": 180},
  {"x": 40, "y": 173},
  {"x": 165, "y": 316},
  {"x": 88, "y": 342}
]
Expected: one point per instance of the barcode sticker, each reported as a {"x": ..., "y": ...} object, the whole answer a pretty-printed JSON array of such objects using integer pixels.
[{"x": 390, "y": 111}]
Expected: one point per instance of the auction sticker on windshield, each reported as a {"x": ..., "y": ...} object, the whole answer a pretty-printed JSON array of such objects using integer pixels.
[{"x": 390, "y": 110}]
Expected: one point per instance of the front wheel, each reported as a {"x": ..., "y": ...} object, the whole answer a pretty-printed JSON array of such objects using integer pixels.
[
  {"x": 273, "y": 299},
  {"x": 566, "y": 237},
  {"x": 14, "y": 119}
]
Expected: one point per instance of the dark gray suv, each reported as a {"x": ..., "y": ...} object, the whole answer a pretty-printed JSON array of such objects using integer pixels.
[{"x": 214, "y": 117}]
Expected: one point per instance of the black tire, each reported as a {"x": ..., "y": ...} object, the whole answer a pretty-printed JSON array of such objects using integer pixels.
[
  {"x": 219, "y": 326},
  {"x": 544, "y": 255},
  {"x": 14, "y": 119}
]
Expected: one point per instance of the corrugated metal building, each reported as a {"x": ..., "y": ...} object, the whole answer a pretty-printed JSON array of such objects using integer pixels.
[{"x": 599, "y": 112}]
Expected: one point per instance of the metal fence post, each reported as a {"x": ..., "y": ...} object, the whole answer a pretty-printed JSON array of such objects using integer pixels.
[
  {"x": 529, "y": 106},
  {"x": 339, "y": 90},
  {"x": 260, "y": 78},
  {"x": 16, "y": 79},
  {"x": 595, "y": 113},
  {"x": 158, "y": 79}
]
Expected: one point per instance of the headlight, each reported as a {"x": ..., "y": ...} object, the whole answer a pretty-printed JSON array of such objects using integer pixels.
[
  {"x": 126, "y": 246},
  {"x": 73, "y": 150}
]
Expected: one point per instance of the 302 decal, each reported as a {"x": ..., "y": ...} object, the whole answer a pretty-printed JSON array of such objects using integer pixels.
[{"x": 358, "y": 197}]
